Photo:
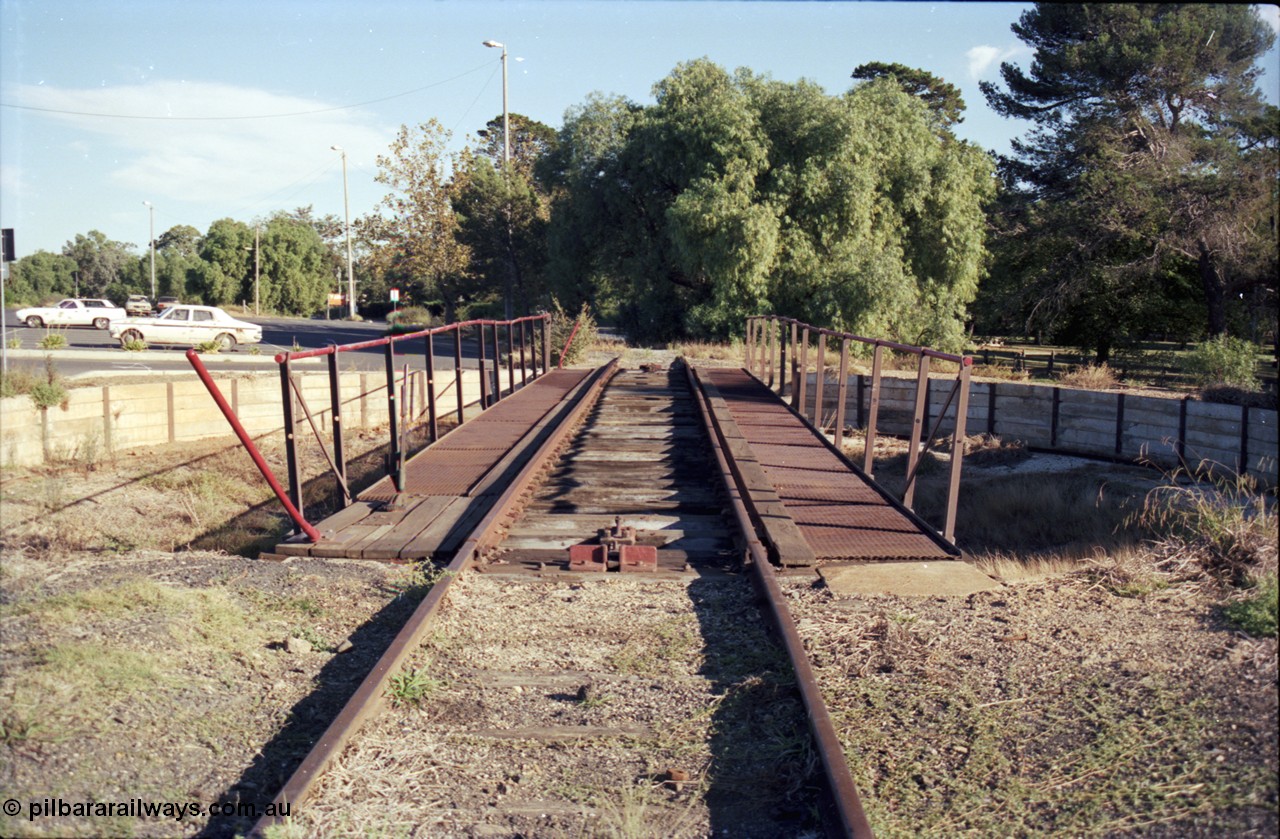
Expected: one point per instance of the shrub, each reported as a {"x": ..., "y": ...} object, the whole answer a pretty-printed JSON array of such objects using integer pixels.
[
  {"x": 53, "y": 341},
  {"x": 48, "y": 394},
  {"x": 136, "y": 345},
  {"x": 208, "y": 347},
  {"x": 562, "y": 326},
  {"x": 1090, "y": 377},
  {"x": 408, "y": 319},
  {"x": 1224, "y": 361},
  {"x": 15, "y": 343}
]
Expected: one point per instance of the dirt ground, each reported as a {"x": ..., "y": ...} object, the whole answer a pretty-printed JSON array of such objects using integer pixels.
[{"x": 144, "y": 662}]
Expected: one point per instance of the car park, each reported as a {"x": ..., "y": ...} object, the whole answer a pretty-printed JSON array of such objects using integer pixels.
[
  {"x": 137, "y": 304},
  {"x": 190, "y": 326},
  {"x": 76, "y": 311}
]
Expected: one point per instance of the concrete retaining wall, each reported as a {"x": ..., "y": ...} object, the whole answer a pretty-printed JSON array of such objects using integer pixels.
[
  {"x": 99, "y": 420},
  {"x": 1072, "y": 421}
]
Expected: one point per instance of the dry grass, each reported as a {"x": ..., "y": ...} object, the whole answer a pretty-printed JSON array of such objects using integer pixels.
[{"x": 1090, "y": 377}]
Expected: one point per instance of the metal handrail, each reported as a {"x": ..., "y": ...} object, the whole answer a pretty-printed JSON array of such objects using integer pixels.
[{"x": 767, "y": 349}]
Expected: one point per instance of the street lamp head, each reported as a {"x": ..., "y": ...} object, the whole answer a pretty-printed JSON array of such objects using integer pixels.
[
  {"x": 146, "y": 203},
  {"x": 495, "y": 44},
  {"x": 336, "y": 148}
]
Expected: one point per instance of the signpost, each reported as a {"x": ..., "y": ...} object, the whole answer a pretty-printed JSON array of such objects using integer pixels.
[
  {"x": 395, "y": 299},
  {"x": 6, "y": 256}
]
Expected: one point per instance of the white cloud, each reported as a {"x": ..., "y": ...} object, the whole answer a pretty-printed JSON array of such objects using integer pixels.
[
  {"x": 1270, "y": 14},
  {"x": 984, "y": 59},
  {"x": 203, "y": 142}
]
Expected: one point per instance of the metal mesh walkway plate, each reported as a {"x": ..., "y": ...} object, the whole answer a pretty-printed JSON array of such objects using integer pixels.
[
  {"x": 466, "y": 454},
  {"x": 839, "y": 512}
]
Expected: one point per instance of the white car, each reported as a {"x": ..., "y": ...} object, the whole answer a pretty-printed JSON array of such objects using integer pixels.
[
  {"x": 189, "y": 325},
  {"x": 99, "y": 314}
]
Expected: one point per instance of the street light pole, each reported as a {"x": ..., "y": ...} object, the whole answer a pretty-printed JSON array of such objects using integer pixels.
[
  {"x": 506, "y": 132},
  {"x": 346, "y": 210},
  {"x": 152, "y": 211},
  {"x": 506, "y": 169}
]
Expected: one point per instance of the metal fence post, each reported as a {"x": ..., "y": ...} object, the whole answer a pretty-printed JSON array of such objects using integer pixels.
[
  {"x": 290, "y": 443},
  {"x": 335, "y": 410},
  {"x": 917, "y": 430}
]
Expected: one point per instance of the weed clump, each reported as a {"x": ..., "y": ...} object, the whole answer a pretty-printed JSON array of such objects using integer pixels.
[{"x": 1090, "y": 377}]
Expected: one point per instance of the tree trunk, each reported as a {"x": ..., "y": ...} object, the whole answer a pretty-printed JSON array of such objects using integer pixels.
[{"x": 1215, "y": 293}]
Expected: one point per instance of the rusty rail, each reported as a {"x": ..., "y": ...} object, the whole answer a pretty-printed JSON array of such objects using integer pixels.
[
  {"x": 844, "y": 793},
  {"x": 768, "y": 338},
  {"x": 370, "y": 695}
]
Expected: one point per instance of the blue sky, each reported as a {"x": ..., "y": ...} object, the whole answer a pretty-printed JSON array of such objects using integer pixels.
[{"x": 225, "y": 109}]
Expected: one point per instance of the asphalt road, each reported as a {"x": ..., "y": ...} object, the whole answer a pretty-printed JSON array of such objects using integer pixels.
[{"x": 92, "y": 351}]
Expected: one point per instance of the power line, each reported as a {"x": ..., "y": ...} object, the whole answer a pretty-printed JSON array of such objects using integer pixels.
[{"x": 248, "y": 117}]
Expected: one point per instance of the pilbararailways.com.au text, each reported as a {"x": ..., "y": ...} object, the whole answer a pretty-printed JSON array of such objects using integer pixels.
[{"x": 138, "y": 808}]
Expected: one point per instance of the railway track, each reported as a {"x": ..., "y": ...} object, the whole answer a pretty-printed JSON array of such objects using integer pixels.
[{"x": 535, "y": 695}]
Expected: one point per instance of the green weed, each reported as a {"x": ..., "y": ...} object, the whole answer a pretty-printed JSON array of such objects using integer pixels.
[
  {"x": 1257, "y": 612},
  {"x": 411, "y": 687}
]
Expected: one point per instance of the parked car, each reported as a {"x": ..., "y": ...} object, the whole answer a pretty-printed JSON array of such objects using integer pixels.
[
  {"x": 99, "y": 314},
  {"x": 137, "y": 304},
  {"x": 189, "y": 325},
  {"x": 163, "y": 303}
]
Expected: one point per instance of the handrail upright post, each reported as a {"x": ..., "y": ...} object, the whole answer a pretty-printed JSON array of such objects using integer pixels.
[
  {"x": 433, "y": 433},
  {"x": 546, "y": 344},
  {"x": 820, "y": 366},
  {"x": 497, "y": 364},
  {"x": 957, "y": 455},
  {"x": 290, "y": 443},
  {"x": 917, "y": 429},
  {"x": 457, "y": 368},
  {"x": 801, "y": 386},
  {"x": 750, "y": 347},
  {"x": 393, "y": 416},
  {"x": 782, "y": 361},
  {"x": 511, "y": 358},
  {"x": 842, "y": 392},
  {"x": 524, "y": 370},
  {"x": 335, "y": 409},
  {"x": 795, "y": 360},
  {"x": 773, "y": 347},
  {"x": 873, "y": 413},
  {"x": 484, "y": 368}
]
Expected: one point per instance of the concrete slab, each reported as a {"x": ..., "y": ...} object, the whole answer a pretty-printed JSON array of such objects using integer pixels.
[{"x": 943, "y": 578}]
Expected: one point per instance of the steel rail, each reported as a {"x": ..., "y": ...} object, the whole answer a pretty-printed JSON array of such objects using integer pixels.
[
  {"x": 963, "y": 360},
  {"x": 368, "y": 698},
  {"x": 848, "y": 804},
  {"x": 391, "y": 339}
]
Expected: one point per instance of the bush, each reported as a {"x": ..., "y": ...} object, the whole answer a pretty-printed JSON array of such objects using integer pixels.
[
  {"x": 1224, "y": 361},
  {"x": 408, "y": 319},
  {"x": 48, "y": 394},
  {"x": 53, "y": 341},
  {"x": 135, "y": 345},
  {"x": 208, "y": 347},
  {"x": 562, "y": 326},
  {"x": 1230, "y": 395},
  {"x": 1090, "y": 377}
]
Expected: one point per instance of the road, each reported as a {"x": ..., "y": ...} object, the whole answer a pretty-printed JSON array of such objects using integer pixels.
[{"x": 91, "y": 351}]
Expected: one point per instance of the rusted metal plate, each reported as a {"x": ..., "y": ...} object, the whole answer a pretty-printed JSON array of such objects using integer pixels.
[{"x": 839, "y": 514}]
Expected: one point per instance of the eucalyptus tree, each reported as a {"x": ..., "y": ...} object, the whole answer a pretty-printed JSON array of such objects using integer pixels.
[
  {"x": 226, "y": 263},
  {"x": 1153, "y": 155},
  {"x": 40, "y": 277},
  {"x": 100, "y": 262},
  {"x": 503, "y": 213},
  {"x": 416, "y": 239}
]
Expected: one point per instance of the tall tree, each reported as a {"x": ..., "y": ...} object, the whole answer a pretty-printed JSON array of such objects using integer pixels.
[
  {"x": 1152, "y": 153},
  {"x": 736, "y": 194},
  {"x": 942, "y": 97},
  {"x": 417, "y": 240},
  {"x": 99, "y": 261}
]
